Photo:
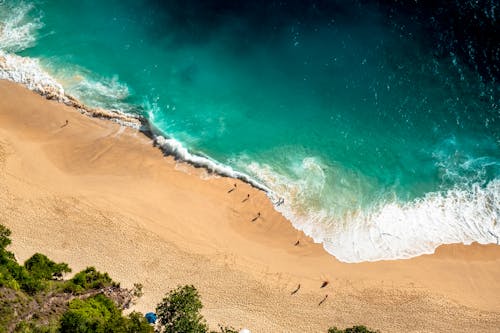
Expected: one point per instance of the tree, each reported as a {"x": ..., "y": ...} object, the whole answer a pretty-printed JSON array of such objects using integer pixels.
[
  {"x": 43, "y": 268},
  {"x": 89, "y": 278},
  {"x": 136, "y": 323},
  {"x": 179, "y": 311}
]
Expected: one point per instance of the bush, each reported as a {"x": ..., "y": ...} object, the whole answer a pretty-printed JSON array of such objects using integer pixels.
[
  {"x": 88, "y": 279},
  {"x": 179, "y": 312},
  {"x": 30, "y": 327},
  {"x": 4, "y": 237},
  {"x": 100, "y": 314},
  {"x": 354, "y": 329},
  {"x": 8, "y": 264},
  {"x": 14, "y": 276},
  {"x": 137, "y": 323},
  {"x": 90, "y": 315},
  {"x": 43, "y": 268}
]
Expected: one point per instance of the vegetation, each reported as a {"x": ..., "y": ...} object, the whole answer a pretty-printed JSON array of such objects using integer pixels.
[
  {"x": 34, "y": 276},
  {"x": 180, "y": 311},
  {"x": 88, "y": 279},
  {"x": 34, "y": 298},
  {"x": 43, "y": 268},
  {"x": 100, "y": 314}
]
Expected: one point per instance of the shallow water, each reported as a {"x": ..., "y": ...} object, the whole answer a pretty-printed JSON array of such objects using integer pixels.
[{"x": 377, "y": 123}]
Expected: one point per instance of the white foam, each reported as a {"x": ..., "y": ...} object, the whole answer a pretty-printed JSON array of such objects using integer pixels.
[
  {"x": 29, "y": 72},
  {"x": 392, "y": 230},
  {"x": 17, "y": 31},
  {"x": 173, "y": 147},
  {"x": 97, "y": 91}
]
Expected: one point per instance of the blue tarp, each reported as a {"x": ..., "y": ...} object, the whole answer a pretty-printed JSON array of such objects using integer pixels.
[{"x": 150, "y": 317}]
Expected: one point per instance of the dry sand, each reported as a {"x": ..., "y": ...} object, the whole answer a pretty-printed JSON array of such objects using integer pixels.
[{"x": 95, "y": 193}]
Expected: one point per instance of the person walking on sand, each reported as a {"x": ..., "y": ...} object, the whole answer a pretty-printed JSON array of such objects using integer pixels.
[
  {"x": 231, "y": 190},
  {"x": 247, "y": 198},
  {"x": 255, "y": 218},
  {"x": 296, "y": 290},
  {"x": 323, "y": 300},
  {"x": 65, "y": 124},
  {"x": 325, "y": 283}
]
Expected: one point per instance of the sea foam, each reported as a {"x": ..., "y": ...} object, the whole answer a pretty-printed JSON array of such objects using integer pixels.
[
  {"x": 28, "y": 72},
  {"x": 173, "y": 147},
  {"x": 391, "y": 230},
  {"x": 17, "y": 31}
]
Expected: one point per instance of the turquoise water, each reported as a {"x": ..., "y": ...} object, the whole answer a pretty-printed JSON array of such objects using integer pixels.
[{"x": 382, "y": 145}]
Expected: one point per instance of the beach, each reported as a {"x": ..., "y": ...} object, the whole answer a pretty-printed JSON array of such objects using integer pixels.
[{"x": 88, "y": 191}]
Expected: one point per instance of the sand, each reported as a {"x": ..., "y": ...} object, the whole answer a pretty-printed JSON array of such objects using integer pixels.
[{"x": 95, "y": 193}]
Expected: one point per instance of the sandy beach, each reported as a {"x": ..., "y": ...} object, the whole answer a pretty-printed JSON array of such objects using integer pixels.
[{"x": 95, "y": 193}]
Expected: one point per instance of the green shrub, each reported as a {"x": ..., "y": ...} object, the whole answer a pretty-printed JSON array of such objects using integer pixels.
[
  {"x": 179, "y": 312},
  {"x": 4, "y": 237},
  {"x": 137, "y": 323},
  {"x": 88, "y": 279},
  {"x": 354, "y": 329},
  {"x": 30, "y": 327},
  {"x": 14, "y": 276},
  {"x": 8, "y": 264},
  {"x": 90, "y": 315},
  {"x": 100, "y": 314},
  {"x": 7, "y": 279},
  {"x": 43, "y": 268}
]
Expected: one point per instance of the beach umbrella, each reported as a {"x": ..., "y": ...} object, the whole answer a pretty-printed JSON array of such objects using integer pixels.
[{"x": 150, "y": 317}]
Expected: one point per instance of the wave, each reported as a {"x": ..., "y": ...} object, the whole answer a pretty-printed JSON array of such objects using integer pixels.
[
  {"x": 391, "y": 230},
  {"x": 173, "y": 147},
  {"x": 17, "y": 31}
]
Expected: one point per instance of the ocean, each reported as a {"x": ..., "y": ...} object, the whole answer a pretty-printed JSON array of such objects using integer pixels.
[{"x": 377, "y": 122}]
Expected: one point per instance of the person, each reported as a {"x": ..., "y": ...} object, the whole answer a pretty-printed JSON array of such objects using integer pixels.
[
  {"x": 323, "y": 300},
  {"x": 231, "y": 190},
  {"x": 248, "y": 197},
  {"x": 296, "y": 290},
  {"x": 325, "y": 283},
  {"x": 296, "y": 243},
  {"x": 65, "y": 124},
  {"x": 255, "y": 218}
]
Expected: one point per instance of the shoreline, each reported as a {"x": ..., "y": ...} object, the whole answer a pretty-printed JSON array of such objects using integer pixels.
[
  {"x": 52, "y": 90},
  {"x": 94, "y": 193},
  {"x": 36, "y": 79}
]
